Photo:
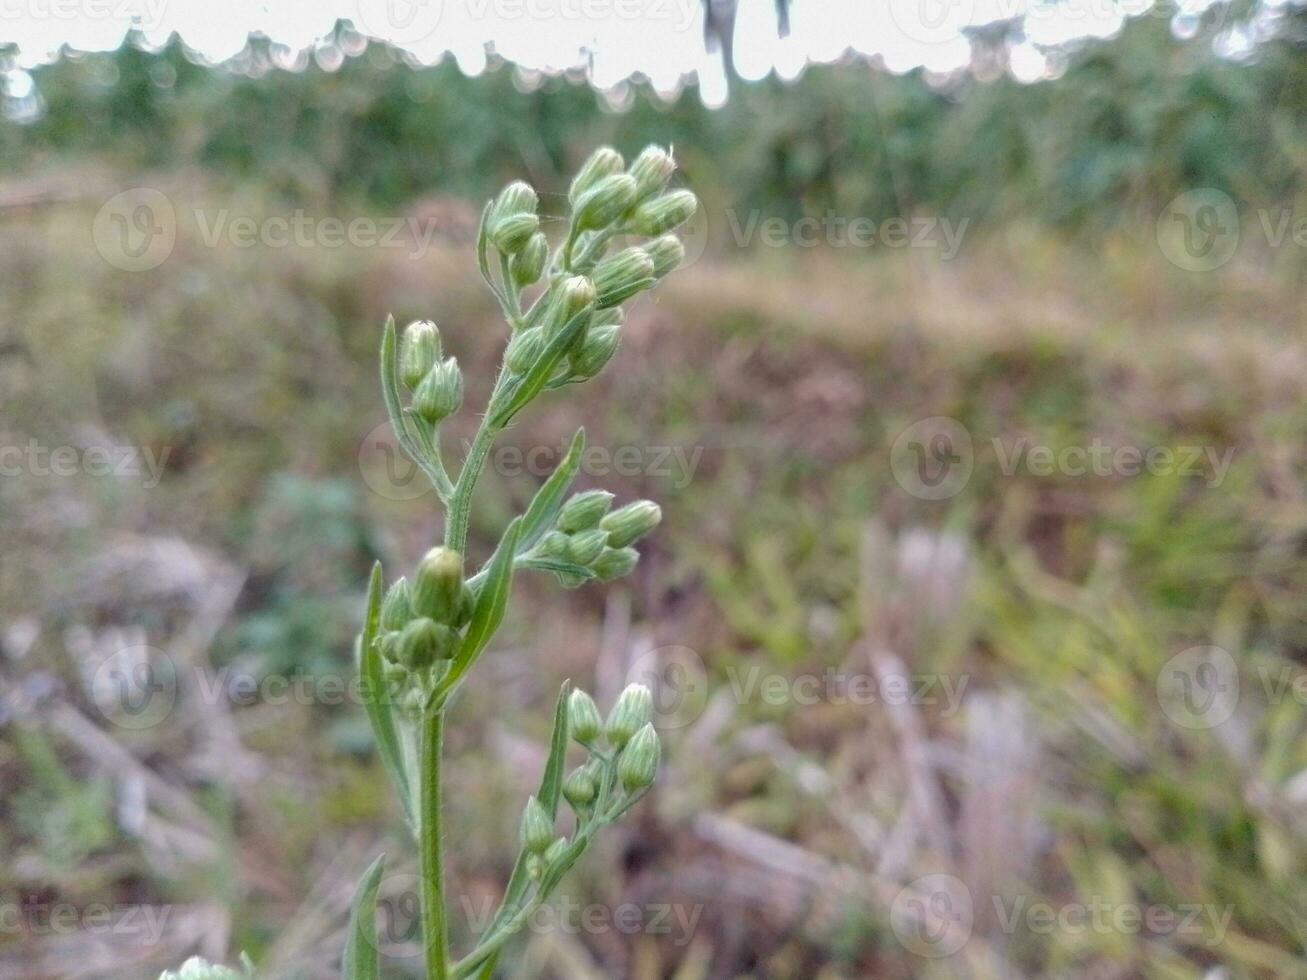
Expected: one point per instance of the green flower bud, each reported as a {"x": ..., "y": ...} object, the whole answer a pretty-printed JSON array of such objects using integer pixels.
[
  {"x": 424, "y": 641},
  {"x": 571, "y": 296},
  {"x": 419, "y": 352},
  {"x": 585, "y": 546},
  {"x": 553, "y": 545},
  {"x": 467, "y": 603},
  {"x": 611, "y": 317},
  {"x": 529, "y": 264},
  {"x": 441, "y": 392},
  {"x": 614, "y": 563},
  {"x": 555, "y": 850},
  {"x": 394, "y": 673},
  {"x": 537, "y": 828},
  {"x": 652, "y": 169},
  {"x": 583, "y": 717},
  {"x": 597, "y": 349},
  {"x": 619, "y": 277},
  {"x": 632, "y": 712},
  {"x": 667, "y": 253},
  {"x": 519, "y": 197},
  {"x": 629, "y": 524},
  {"x": 579, "y": 789},
  {"x": 535, "y": 867},
  {"x": 438, "y": 585},
  {"x": 584, "y": 511},
  {"x": 663, "y": 213},
  {"x": 639, "y": 762},
  {"x": 605, "y": 202},
  {"x": 397, "y": 607},
  {"x": 525, "y": 349},
  {"x": 512, "y": 233},
  {"x": 603, "y": 162}
]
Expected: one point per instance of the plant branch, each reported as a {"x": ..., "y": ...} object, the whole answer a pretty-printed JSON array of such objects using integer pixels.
[{"x": 435, "y": 932}]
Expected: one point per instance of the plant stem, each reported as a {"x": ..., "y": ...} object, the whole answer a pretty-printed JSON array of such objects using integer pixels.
[
  {"x": 460, "y": 507},
  {"x": 434, "y": 930}
]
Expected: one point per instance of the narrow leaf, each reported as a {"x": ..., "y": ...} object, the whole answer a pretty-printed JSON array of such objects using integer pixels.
[
  {"x": 359, "y": 961},
  {"x": 551, "y": 782},
  {"x": 376, "y": 698},
  {"x": 561, "y": 568},
  {"x": 483, "y": 260},
  {"x": 548, "y": 501},
  {"x": 530, "y": 384},
  {"x": 488, "y": 613}
]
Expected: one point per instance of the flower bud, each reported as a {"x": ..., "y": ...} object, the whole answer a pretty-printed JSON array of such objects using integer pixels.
[
  {"x": 614, "y": 563},
  {"x": 652, "y": 169},
  {"x": 519, "y": 197},
  {"x": 438, "y": 585},
  {"x": 424, "y": 641},
  {"x": 570, "y": 297},
  {"x": 583, "y": 717},
  {"x": 553, "y": 545},
  {"x": 605, "y": 202},
  {"x": 585, "y": 546},
  {"x": 603, "y": 162},
  {"x": 611, "y": 317},
  {"x": 529, "y": 264},
  {"x": 639, "y": 762},
  {"x": 664, "y": 212},
  {"x": 419, "y": 352},
  {"x": 632, "y": 712},
  {"x": 579, "y": 789},
  {"x": 441, "y": 392},
  {"x": 667, "y": 253},
  {"x": 512, "y": 233},
  {"x": 619, "y": 277},
  {"x": 466, "y": 605},
  {"x": 555, "y": 850},
  {"x": 537, "y": 828},
  {"x": 597, "y": 349},
  {"x": 629, "y": 524},
  {"x": 397, "y": 607},
  {"x": 584, "y": 511},
  {"x": 525, "y": 349}
]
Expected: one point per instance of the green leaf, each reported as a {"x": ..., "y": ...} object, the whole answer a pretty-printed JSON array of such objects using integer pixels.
[
  {"x": 359, "y": 961},
  {"x": 487, "y": 614},
  {"x": 483, "y": 261},
  {"x": 551, "y": 787},
  {"x": 548, "y": 501},
  {"x": 533, "y": 382},
  {"x": 558, "y": 567},
  {"x": 376, "y": 698}
]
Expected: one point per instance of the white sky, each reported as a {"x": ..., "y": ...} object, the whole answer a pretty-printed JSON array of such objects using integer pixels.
[{"x": 663, "y": 39}]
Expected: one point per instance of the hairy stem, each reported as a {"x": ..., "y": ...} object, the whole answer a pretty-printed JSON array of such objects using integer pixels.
[
  {"x": 434, "y": 927},
  {"x": 460, "y": 506}
]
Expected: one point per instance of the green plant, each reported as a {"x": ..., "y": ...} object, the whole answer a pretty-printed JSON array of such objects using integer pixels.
[{"x": 420, "y": 641}]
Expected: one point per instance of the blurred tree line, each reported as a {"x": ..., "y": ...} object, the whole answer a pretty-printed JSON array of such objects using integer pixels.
[{"x": 1132, "y": 122}]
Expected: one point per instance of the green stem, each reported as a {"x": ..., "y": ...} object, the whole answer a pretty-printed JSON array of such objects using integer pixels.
[
  {"x": 434, "y": 928},
  {"x": 460, "y": 506}
]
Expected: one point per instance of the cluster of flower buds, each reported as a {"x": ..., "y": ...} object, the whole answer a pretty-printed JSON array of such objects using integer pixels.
[
  {"x": 197, "y": 968},
  {"x": 436, "y": 383},
  {"x": 421, "y": 623},
  {"x": 588, "y": 535},
  {"x": 608, "y": 199},
  {"x": 624, "y": 754}
]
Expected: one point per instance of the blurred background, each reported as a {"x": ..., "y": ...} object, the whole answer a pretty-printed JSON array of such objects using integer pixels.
[{"x": 977, "y": 418}]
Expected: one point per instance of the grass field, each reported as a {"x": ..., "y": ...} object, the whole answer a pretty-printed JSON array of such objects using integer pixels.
[{"x": 1048, "y": 724}]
